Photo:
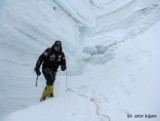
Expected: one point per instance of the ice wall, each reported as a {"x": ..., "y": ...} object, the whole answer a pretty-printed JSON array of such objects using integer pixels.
[
  {"x": 118, "y": 21},
  {"x": 28, "y": 27}
]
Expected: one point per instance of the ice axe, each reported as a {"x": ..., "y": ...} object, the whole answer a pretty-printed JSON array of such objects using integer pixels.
[
  {"x": 36, "y": 78},
  {"x": 36, "y": 81}
]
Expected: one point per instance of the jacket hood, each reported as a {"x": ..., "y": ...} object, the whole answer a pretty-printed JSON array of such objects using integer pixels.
[{"x": 57, "y": 43}]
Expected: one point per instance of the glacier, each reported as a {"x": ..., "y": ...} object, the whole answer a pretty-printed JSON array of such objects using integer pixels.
[{"x": 112, "y": 55}]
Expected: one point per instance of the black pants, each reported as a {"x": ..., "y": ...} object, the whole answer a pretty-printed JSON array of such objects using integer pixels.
[{"x": 49, "y": 76}]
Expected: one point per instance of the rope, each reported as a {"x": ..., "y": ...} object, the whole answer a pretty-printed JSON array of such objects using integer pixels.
[{"x": 86, "y": 96}]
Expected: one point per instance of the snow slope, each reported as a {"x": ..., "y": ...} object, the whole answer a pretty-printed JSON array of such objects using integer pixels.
[
  {"x": 117, "y": 69},
  {"x": 126, "y": 85}
]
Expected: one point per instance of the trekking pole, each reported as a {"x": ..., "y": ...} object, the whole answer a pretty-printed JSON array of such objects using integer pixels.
[
  {"x": 36, "y": 81},
  {"x": 67, "y": 88},
  {"x": 66, "y": 80}
]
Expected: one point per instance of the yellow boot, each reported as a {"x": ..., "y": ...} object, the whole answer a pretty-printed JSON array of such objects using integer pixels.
[
  {"x": 51, "y": 90},
  {"x": 48, "y": 92},
  {"x": 45, "y": 94}
]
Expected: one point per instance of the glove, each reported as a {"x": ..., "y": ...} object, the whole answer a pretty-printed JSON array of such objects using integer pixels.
[
  {"x": 63, "y": 68},
  {"x": 37, "y": 71}
]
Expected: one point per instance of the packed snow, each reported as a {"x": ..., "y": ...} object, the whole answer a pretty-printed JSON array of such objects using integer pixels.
[{"x": 112, "y": 52}]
